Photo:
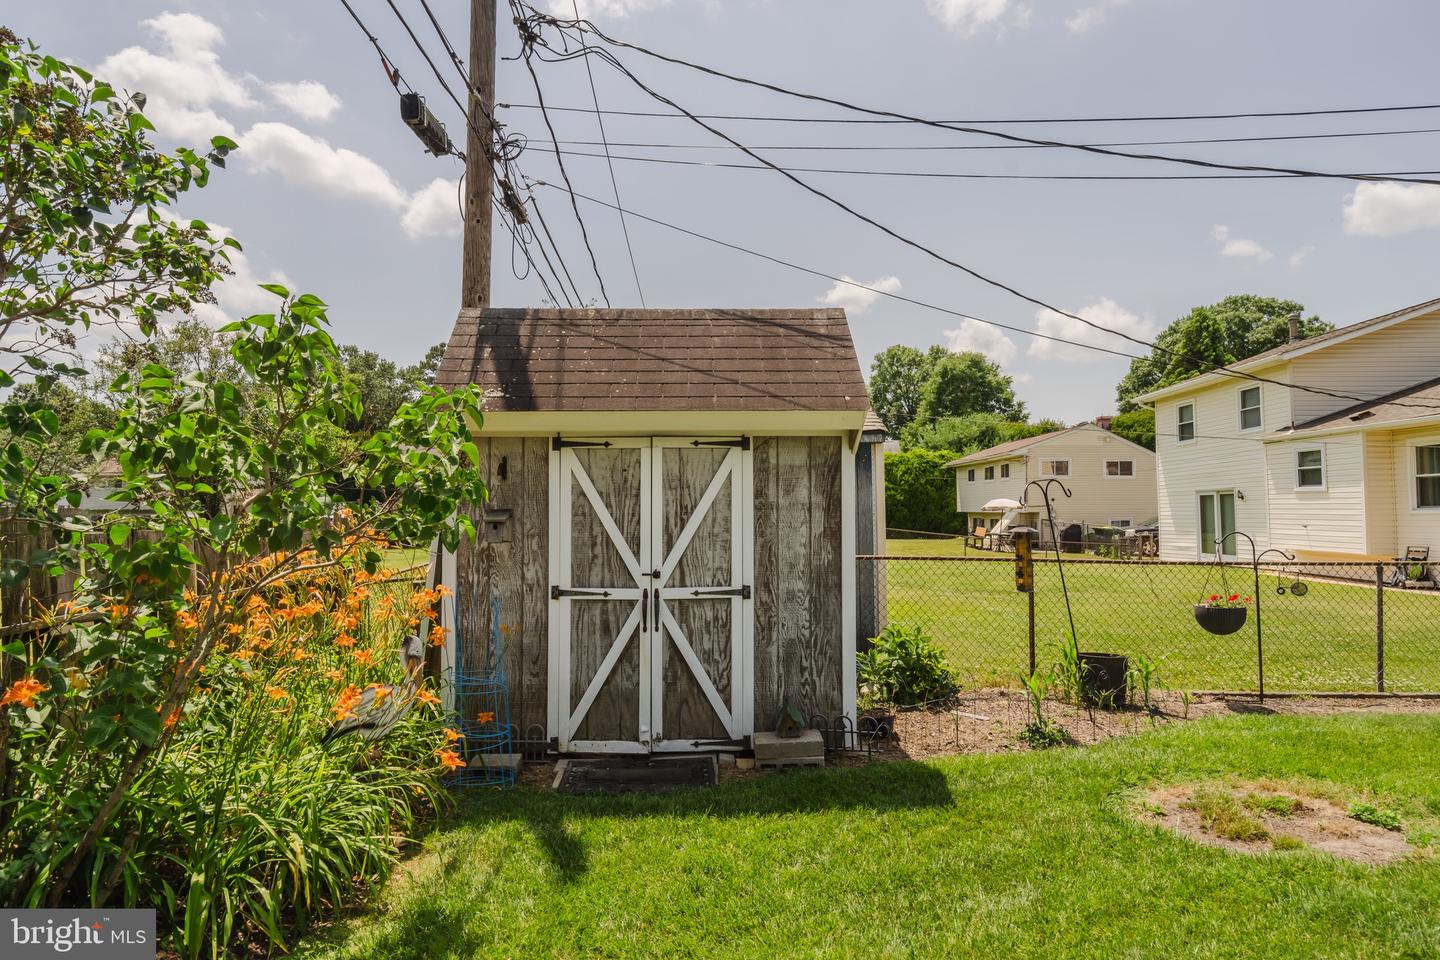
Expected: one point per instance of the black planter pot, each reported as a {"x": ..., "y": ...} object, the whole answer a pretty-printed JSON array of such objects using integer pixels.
[
  {"x": 1104, "y": 679},
  {"x": 1220, "y": 620}
]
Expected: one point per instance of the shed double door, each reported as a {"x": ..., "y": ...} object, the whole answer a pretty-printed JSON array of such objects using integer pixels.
[{"x": 650, "y": 594}]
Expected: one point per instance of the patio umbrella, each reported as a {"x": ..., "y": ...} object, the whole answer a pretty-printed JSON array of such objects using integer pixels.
[{"x": 1000, "y": 505}]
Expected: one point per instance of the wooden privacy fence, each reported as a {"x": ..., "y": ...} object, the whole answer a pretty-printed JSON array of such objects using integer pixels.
[{"x": 1352, "y": 627}]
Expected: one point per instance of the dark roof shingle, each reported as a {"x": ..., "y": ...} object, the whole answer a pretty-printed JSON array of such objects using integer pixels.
[
  {"x": 571, "y": 360},
  {"x": 1416, "y": 401}
]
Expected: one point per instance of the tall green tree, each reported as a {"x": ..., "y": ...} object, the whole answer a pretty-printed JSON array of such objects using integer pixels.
[
  {"x": 1137, "y": 426},
  {"x": 896, "y": 378},
  {"x": 965, "y": 383},
  {"x": 920, "y": 491},
  {"x": 974, "y": 431},
  {"x": 1219, "y": 334}
]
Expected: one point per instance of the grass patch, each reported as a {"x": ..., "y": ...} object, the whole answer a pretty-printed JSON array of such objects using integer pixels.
[
  {"x": 1221, "y": 814},
  {"x": 1369, "y": 813},
  {"x": 1274, "y": 804},
  {"x": 1026, "y": 854}
]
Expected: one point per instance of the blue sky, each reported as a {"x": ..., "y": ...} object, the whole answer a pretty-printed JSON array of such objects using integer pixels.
[{"x": 330, "y": 193}]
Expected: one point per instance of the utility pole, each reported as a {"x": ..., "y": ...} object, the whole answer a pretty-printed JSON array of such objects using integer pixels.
[{"x": 479, "y": 180}]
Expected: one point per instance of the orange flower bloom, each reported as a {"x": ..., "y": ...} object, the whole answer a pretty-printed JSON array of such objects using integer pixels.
[
  {"x": 118, "y": 611},
  {"x": 485, "y": 716},
  {"x": 443, "y": 591},
  {"x": 364, "y": 657},
  {"x": 187, "y": 620},
  {"x": 335, "y": 674},
  {"x": 275, "y": 693},
  {"x": 344, "y": 640},
  {"x": 452, "y": 735},
  {"x": 380, "y": 692},
  {"x": 425, "y": 696},
  {"x": 346, "y": 702},
  {"x": 23, "y": 691},
  {"x": 173, "y": 718},
  {"x": 437, "y": 636},
  {"x": 450, "y": 759}
]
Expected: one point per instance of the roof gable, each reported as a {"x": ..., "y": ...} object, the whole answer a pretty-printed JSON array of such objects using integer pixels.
[{"x": 573, "y": 360}]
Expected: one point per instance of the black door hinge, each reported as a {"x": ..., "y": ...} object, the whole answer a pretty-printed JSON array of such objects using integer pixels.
[
  {"x": 743, "y": 443},
  {"x": 557, "y": 443},
  {"x": 557, "y": 592},
  {"x": 742, "y": 592}
]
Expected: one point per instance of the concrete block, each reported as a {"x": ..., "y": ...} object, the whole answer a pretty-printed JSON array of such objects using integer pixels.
[
  {"x": 771, "y": 747},
  {"x": 498, "y": 761}
]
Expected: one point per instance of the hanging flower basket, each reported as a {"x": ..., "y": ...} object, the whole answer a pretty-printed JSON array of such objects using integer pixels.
[{"x": 1221, "y": 615}]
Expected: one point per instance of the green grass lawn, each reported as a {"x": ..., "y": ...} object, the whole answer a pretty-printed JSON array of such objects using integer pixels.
[
  {"x": 1018, "y": 855},
  {"x": 1325, "y": 640}
]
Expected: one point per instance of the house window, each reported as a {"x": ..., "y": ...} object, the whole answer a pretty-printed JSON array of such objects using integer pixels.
[
  {"x": 1004, "y": 471},
  {"x": 970, "y": 475},
  {"x": 1185, "y": 422},
  {"x": 1054, "y": 468},
  {"x": 1427, "y": 476},
  {"x": 1122, "y": 524},
  {"x": 989, "y": 473},
  {"x": 1119, "y": 468},
  {"x": 1310, "y": 469},
  {"x": 1250, "y": 408}
]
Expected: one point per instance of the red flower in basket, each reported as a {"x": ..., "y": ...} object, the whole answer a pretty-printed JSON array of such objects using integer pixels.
[{"x": 1233, "y": 600}]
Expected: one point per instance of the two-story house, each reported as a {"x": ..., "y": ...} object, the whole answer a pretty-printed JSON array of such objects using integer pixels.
[
  {"x": 1328, "y": 447},
  {"x": 1111, "y": 480}
]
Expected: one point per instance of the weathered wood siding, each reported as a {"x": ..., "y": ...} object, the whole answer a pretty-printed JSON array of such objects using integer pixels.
[
  {"x": 517, "y": 470},
  {"x": 798, "y": 600}
]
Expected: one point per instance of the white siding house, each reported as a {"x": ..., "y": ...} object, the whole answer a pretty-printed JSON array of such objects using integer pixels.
[
  {"x": 1112, "y": 481},
  {"x": 1321, "y": 458}
]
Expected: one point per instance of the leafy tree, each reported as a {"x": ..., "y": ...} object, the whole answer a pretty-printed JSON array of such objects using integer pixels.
[
  {"x": 920, "y": 491},
  {"x": 422, "y": 374},
  {"x": 1137, "y": 426},
  {"x": 381, "y": 384},
  {"x": 896, "y": 378},
  {"x": 1220, "y": 334},
  {"x": 974, "y": 431},
  {"x": 963, "y": 383}
]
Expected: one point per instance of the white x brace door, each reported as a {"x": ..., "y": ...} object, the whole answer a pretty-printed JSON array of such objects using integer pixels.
[{"x": 650, "y": 599}]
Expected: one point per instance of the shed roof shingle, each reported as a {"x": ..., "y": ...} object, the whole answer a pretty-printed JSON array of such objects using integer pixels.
[{"x": 571, "y": 360}]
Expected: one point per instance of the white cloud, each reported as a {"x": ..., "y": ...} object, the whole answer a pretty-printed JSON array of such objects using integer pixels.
[
  {"x": 965, "y": 17},
  {"x": 1298, "y": 258},
  {"x": 308, "y": 161},
  {"x": 1237, "y": 247},
  {"x": 1092, "y": 16},
  {"x": 1388, "y": 209},
  {"x": 857, "y": 299},
  {"x": 592, "y": 9},
  {"x": 1106, "y": 313},
  {"x": 183, "y": 85},
  {"x": 307, "y": 99},
  {"x": 982, "y": 338},
  {"x": 434, "y": 211}
]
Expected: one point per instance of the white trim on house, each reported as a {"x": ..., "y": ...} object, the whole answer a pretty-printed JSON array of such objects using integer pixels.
[
  {"x": 677, "y": 423},
  {"x": 1413, "y": 473},
  {"x": 1047, "y": 467},
  {"x": 1105, "y": 469},
  {"x": 847, "y": 586},
  {"x": 1194, "y": 423}
]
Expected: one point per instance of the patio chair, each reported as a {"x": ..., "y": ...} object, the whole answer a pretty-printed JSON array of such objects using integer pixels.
[{"x": 1415, "y": 561}]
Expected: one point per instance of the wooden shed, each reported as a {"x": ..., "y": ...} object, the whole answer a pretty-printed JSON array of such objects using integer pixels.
[{"x": 672, "y": 520}]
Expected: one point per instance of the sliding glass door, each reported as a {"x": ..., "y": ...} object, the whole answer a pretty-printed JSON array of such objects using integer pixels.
[{"x": 1217, "y": 521}]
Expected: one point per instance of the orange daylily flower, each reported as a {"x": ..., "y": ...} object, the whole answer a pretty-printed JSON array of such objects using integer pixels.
[
  {"x": 23, "y": 691},
  {"x": 437, "y": 636},
  {"x": 364, "y": 657},
  {"x": 485, "y": 716},
  {"x": 118, "y": 611},
  {"x": 425, "y": 696},
  {"x": 344, "y": 640},
  {"x": 346, "y": 702},
  {"x": 275, "y": 693},
  {"x": 335, "y": 674},
  {"x": 173, "y": 718},
  {"x": 450, "y": 759},
  {"x": 452, "y": 735},
  {"x": 187, "y": 620}
]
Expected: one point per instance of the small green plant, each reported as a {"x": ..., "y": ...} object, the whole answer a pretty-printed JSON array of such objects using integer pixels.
[
  {"x": 1186, "y": 698},
  {"x": 904, "y": 667},
  {"x": 1276, "y": 804},
  {"x": 1042, "y": 735},
  {"x": 1070, "y": 673},
  {"x": 1039, "y": 732},
  {"x": 1144, "y": 676},
  {"x": 1417, "y": 571},
  {"x": 1376, "y": 816},
  {"x": 1280, "y": 841},
  {"x": 1220, "y": 813}
]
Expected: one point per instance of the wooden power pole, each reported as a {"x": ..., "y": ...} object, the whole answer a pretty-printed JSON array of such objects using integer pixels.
[{"x": 479, "y": 180}]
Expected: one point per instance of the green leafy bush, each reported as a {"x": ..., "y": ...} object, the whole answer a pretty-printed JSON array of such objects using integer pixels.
[
  {"x": 1375, "y": 816},
  {"x": 920, "y": 491},
  {"x": 904, "y": 667}
]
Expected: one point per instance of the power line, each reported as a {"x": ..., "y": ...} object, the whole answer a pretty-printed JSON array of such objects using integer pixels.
[
  {"x": 585, "y": 26},
  {"x": 614, "y": 184},
  {"x": 947, "y": 175},
  {"x": 933, "y": 306},
  {"x": 913, "y": 148},
  {"x": 994, "y": 121},
  {"x": 392, "y": 72},
  {"x": 526, "y": 50}
]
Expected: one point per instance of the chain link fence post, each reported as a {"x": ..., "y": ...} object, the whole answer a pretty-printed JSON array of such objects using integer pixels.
[{"x": 1380, "y": 627}]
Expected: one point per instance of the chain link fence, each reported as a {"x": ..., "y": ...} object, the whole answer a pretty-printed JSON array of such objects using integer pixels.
[{"x": 1325, "y": 627}]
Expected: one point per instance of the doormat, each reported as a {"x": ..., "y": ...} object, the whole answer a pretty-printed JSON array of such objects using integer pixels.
[{"x": 634, "y": 775}]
